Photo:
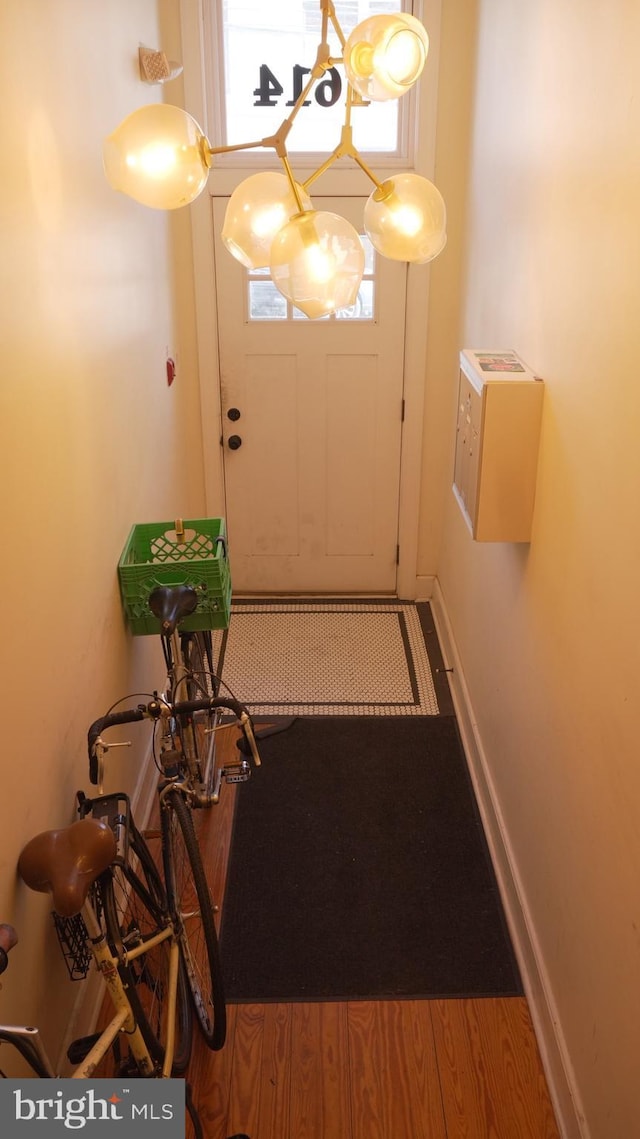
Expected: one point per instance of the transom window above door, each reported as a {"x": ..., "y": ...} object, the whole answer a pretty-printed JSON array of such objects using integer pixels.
[{"x": 268, "y": 51}]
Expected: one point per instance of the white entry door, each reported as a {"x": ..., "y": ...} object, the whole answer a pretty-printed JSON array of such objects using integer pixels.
[{"x": 311, "y": 429}]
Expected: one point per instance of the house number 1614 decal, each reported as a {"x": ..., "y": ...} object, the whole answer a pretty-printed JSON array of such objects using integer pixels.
[{"x": 326, "y": 92}]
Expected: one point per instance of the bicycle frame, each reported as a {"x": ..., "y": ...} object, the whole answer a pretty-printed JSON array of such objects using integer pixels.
[
  {"x": 27, "y": 1039},
  {"x": 178, "y": 675},
  {"x": 124, "y": 1020},
  {"x": 204, "y": 779}
]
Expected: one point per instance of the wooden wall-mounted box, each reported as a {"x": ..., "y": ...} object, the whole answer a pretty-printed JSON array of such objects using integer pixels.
[{"x": 497, "y": 439}]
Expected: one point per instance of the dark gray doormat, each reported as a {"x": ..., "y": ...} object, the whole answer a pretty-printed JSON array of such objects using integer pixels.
[{"x": 359, "y": 869}]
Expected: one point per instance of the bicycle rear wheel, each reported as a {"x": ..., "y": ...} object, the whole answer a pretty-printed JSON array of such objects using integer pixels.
[
  {"x": 192, "y": 912},
  {"x": 135, "y": 909}
]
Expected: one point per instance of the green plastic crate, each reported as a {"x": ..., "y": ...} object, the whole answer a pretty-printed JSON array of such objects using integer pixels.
[{"x": 153, "y": 556}]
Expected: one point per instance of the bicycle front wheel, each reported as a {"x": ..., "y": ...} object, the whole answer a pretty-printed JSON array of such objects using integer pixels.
[
  {"x": 193, "y": 1124},
  {"x": 192, "y": 912},
  {"x": 135, "y": 910}
]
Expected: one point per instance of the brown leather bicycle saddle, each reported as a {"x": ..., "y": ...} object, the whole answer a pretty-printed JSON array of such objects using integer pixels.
[{"x": 66, "y": 862}]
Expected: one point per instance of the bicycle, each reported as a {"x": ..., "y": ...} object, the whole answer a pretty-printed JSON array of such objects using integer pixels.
[
  {"x": 175, "y": 582},
  {"x": 129, "y": 933},
  {"x": 188, "y": 657},
  {"x": 189, "y": 898},
  {"x": 134, "y": 947}
]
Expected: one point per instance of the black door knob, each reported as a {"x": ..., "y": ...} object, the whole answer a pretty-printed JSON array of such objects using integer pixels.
[
  {"x": 234, "y": 441},
  {"x": 233, "y": 413}
]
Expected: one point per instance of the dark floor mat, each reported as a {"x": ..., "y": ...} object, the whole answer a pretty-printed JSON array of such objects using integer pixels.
[{"x": 359, "y": 869}]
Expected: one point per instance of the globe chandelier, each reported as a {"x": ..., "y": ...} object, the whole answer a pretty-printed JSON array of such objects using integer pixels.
[{"x": 160, "y": 157}]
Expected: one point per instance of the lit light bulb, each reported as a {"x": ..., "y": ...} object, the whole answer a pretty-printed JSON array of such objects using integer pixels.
[
  {"x": 317, "y": 262},
  {"x": 257, "y": 209},
  {"x": 408, "y": 220},
  {"x": 269, "y": 220},
  {"x": 158, "y": 156},
  {"x": 405, "y": 219},
  {"x": 404, "y": 57},
  {"x": 385, "y": 55}
]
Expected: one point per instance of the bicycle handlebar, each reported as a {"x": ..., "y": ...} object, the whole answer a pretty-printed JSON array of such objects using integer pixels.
[
  {"x": 153, "y": 711},
  {"x": 8, "y": 938}
]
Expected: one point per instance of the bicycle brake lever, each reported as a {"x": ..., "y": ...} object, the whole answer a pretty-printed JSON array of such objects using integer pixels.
[{"x": 100, "y": 749}]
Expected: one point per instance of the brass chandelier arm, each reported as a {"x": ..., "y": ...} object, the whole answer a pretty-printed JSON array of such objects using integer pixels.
[
  {"x": 329, "y": 14},
  {"x": 266, "y": 143},
  {"x": 292, "y": 182},
  {"x": 357, "y": 157},
  {"x": 345, "y": 148}
]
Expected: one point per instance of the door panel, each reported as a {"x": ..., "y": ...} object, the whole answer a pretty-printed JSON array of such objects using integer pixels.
[
  {"x": 262, "y": 490},
  {"x": 351, "y": 441},
  {"x": 312, "y": 491}
]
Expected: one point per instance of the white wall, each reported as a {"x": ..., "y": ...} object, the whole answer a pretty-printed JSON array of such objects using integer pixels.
[
  {"x": 548, "y": 633},
  {"x": 93, "y": 291}
]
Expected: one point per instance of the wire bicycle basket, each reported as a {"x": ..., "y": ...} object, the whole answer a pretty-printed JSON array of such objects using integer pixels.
[{"x": 73, "y": 939}]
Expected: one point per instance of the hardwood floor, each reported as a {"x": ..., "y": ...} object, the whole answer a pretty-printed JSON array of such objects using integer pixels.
[{"x": 445, "y": 1069}]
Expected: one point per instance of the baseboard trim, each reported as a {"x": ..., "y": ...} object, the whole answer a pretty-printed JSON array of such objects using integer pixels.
[
  {"x": 553, "y": 1052},
  {"x": 424, "y": 587}
]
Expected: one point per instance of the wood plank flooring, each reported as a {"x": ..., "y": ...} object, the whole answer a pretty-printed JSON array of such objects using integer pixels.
[{"x": 449, "y": 1069}]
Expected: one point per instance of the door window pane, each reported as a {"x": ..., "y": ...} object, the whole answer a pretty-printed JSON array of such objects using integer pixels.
[
  {"x": 363, "y": 308},
  {"x": 266, "y": 302}
]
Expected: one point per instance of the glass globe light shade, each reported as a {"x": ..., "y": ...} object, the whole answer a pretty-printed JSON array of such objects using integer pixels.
[
  {"x": 317, "y": 262},
  {"x": 405, "y": 219},
  {"x": 384, "y": 55},
  {"x": 257, "y": 209},
  {"x": 158, "y": 156}
]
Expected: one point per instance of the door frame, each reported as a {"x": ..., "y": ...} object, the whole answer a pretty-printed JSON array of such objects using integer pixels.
[{"x": 192, "y": 17}]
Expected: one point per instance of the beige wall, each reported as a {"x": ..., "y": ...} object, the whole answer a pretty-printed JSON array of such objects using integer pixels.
[
  {"x": 456, "y": 71},
  {"x": 92, "y": 294},
  {"x": 548, "y": 633}
]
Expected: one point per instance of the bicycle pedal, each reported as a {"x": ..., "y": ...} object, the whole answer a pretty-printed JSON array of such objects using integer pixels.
[
  {"x": 236, "y": 772},
  {"x": 153, "y": 832},
  {"x": 79, "y": 1049}
]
